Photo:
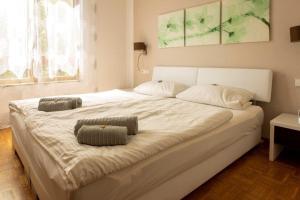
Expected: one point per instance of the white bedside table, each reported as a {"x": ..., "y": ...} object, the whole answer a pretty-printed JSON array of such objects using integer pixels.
[{"x": 278, "y": 126}]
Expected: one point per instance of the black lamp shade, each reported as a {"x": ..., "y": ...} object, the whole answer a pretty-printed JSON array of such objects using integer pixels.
[
  {"x": 295, "y": 34},
  {"x": 140, "y": 46}
]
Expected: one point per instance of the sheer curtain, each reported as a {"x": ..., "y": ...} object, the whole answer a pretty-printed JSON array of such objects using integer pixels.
[
  {"x": 15, "y": 39},
  {"x": 59, "y": 39},
  {"x": 40, "y": 40}
]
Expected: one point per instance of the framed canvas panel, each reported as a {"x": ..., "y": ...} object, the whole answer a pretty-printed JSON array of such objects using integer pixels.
[
  {"x": 171, "y": 29},
  {"x": 203, "y": 25},
  {"x": 245, "y": 21}
]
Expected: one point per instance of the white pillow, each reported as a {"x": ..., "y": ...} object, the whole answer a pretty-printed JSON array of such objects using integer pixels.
[
  {"x": 160, "y": 88},
  {"x": 217, "y": 95}
]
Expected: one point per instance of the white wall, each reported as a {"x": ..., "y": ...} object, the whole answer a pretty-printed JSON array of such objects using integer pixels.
[
  {"x": 129, "y": 44},
  {"x": 114, "y": 44},
  {"x": 107, "y": 48}
]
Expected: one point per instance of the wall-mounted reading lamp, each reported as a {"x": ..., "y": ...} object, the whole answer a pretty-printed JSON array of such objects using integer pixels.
[
  {"x": 140, "y": 47},
  {"x": 295, "y": 34}
]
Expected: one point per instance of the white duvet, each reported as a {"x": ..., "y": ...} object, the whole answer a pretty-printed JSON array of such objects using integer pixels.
[{"x": 163, "y": 123}]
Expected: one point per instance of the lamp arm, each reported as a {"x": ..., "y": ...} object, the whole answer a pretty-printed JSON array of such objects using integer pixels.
[{"x": 138, "y": 62}]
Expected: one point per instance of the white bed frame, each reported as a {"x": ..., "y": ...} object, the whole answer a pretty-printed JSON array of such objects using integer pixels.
[{"x": 258, "y": 81}]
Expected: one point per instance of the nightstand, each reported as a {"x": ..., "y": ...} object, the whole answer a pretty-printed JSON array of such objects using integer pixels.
[{"x": 284, "y": 131}]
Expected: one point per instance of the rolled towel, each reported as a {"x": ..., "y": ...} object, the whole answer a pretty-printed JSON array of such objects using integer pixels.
[
  {"x": 100, "y": 135},
  {"x": 76, "y": 101},
  {"x": 50, "y": 106},
  {"x": 130, "y": 122}
]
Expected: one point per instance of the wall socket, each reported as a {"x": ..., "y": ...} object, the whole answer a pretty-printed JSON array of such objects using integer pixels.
[{"x": 297, "y": 82}]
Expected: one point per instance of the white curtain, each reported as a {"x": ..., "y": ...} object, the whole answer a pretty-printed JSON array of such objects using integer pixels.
[
  {"x": 15, "y": 39},
  {"x": 40, "y": 39}
]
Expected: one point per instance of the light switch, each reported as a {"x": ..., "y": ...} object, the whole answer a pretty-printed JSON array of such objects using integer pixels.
[{"x": 297, "y": 82}]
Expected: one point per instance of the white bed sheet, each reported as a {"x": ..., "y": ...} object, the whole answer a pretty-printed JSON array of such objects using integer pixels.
[
  {"x": 136, "y": 180},
  {"x": 163, "y": 123}
]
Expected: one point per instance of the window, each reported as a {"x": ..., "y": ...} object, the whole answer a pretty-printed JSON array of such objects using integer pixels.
[{"x": 40, "y": 40}]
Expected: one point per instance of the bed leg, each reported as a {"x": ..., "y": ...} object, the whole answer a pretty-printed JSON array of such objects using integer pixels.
[
  {"x": 36, "y": 196},
  {"x": 34, "y": 191},
  {"x": 16, "y": 153}
]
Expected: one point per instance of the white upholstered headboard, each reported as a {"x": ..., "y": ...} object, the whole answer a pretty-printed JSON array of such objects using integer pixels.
[{"x": 258, "y": 81}]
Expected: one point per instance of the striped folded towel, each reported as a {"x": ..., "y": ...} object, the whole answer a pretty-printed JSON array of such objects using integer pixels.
[
  {"x": 101, "y": 135},
  {"x": 59, "y": 104},
  {"x": 49, "y": 106},
  {"x": 130, "y": 122},
  {"x": 76, "y": 101}
]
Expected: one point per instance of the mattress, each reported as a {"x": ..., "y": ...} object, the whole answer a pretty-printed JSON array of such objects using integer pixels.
[{"x": 136, "y": 180}]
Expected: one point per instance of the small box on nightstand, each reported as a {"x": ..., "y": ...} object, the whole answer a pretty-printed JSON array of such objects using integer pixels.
[{"x": 284, "y": 131}]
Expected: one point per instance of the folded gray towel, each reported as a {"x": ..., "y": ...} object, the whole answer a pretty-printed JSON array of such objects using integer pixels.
[
  {"x": 51, "y": 106},
  {"x": 100, "y": 135},
  {"x": 130, "y": 122},
  {"x": 76, "y": 101}
]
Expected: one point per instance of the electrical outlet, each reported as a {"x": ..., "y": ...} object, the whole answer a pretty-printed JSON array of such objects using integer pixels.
[{"x": 297, "y": 82}]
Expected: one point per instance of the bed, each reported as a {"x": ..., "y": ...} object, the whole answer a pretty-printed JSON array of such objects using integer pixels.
[{"x": 185, "y": 165}]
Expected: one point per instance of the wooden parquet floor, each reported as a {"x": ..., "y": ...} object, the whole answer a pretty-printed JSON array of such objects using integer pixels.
[
  {"x": 252, "y": 177},
  {"x": 13, "y": 182}
]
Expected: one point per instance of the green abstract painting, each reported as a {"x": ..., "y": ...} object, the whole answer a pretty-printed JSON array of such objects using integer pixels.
[
  {"x": 171, "y": 29},
  {"x": 203, "y": 25},
  {"x": 245, "y": 21}
]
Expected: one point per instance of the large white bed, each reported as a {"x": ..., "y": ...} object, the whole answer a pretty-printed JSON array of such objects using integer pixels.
[{"x": 183, "y": 166}]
